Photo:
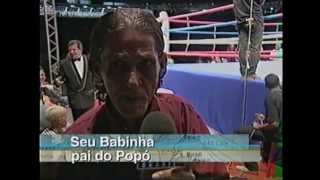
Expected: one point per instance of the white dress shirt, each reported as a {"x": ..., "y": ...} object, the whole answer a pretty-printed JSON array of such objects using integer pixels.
[{"x": 80, "y": 66}]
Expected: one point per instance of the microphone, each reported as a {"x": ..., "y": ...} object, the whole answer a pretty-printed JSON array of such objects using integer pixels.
[{"x": 157, "y": 123}]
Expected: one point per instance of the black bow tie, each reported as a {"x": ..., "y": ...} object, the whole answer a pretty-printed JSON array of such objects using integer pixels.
[{"x": 78, "y": 59}]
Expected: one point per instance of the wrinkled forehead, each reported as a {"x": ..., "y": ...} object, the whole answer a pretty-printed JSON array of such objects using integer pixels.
[
  {"x": 136, "y": 20},
  {"x": 129, "y": 41}
]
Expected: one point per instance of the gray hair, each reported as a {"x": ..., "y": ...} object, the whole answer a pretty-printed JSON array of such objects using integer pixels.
[
  {"x": 120, "y": 19},
  {"x": 77, "y": 42}
]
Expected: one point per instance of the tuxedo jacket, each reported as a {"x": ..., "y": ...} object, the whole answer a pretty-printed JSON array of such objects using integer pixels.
[{"x": 80, "y": 91}]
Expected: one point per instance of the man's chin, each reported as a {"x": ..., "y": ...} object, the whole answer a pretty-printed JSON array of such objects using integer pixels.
[{"x": 133, "y": 113}]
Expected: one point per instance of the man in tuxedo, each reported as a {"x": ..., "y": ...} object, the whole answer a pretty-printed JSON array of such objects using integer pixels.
[{"x": 77, "y": 79}]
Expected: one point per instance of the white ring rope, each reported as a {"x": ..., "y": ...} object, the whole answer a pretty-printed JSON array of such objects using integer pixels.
[
  {"x": 188, "y": 37},
  {"x": 245, "y": 85},
  {"x": 226, "y": 41},
  {"x": 215, "y": 37}
]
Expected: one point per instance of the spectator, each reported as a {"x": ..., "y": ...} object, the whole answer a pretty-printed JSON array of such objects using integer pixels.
[
  {"x": 48, "y": 93},
  {"x": 43, "y": 117},
  {"x": 277, "y": 52},
  {"x": 57, "y": 119},
  {"x": 53, "y": 121},
  {"x": 233, "y": 48}
]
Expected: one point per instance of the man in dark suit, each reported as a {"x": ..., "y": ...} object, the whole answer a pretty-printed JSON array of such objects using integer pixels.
[{"x": 77, "y": 79}]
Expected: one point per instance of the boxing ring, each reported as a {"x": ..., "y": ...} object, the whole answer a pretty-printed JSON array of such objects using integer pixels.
[
  {"x": 218, "y": 35},
  {"x": 216, "y": 89}
]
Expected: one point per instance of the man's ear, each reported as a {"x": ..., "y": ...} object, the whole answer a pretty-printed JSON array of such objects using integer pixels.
[{"x": 163, "y": 64}]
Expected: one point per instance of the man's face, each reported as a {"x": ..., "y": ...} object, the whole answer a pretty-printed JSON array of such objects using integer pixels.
[
  {"x": 74, "y": 51},
  {"x": 130, "y": 72}
]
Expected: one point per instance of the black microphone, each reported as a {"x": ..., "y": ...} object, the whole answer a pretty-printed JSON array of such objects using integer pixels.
[
  {"x": 156, "y": 123},
  {"x": 161, "y": 123}
]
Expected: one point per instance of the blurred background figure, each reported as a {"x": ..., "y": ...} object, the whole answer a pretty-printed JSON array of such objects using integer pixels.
[
  {"x": 242, "y": 15},
  {"x": 277, "y": 52},
  {"x": 266, "y": 127},
  {"x": 233, "y": 47},
  {"x": 56, "y": 117},
  {"x": 164, "y": 21},
  {"x": 49, "y": 94}
]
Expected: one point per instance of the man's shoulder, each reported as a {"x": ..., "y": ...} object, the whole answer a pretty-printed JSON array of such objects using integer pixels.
[
  {"x": 171, "y": 99},
  {"x": 86, "y": 121},
  {"x": 173, "y": 103},
  {"x": 187, "y": 119}
]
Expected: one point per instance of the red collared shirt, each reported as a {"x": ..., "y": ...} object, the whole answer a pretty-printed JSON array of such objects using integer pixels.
[{"x": 187, "y": 120}]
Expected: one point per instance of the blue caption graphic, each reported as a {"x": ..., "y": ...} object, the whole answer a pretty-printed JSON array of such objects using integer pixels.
[{"x": 143, "y": 141}]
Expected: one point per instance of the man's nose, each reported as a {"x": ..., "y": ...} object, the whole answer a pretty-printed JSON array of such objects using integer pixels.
[{"x": 134, "y": 80}]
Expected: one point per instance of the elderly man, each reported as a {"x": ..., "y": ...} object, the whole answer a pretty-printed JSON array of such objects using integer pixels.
[{"x": 127, "y": 56}]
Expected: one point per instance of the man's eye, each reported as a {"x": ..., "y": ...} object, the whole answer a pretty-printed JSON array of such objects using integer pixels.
[
  {"x": 146, "y": 63},
  {"x": 117, "y": 64}
]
